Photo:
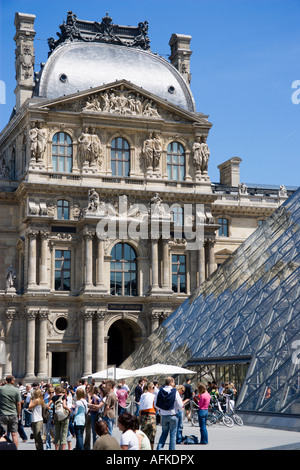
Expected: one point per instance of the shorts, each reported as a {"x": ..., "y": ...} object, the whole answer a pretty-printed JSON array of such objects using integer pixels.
[{"x": 10, "y": 422}]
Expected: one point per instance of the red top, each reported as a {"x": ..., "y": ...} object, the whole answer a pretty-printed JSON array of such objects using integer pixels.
[{"x": 203, "y": 401}]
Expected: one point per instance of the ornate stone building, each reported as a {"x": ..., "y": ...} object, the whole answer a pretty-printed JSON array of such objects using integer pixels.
[{"x": 103, "y": 162}]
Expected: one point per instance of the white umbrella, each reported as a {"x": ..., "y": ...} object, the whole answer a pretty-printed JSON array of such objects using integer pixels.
[
  {"x": 161, "y": 369},
  {"x": 111, "y": 373}
]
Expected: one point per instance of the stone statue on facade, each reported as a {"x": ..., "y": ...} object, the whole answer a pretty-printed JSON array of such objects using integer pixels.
[
  {"x": 93, "y": 200},
  {"x": 243, "y": 189},
  {"x": 282, "y": 191},
  {"x": 4, "y": 170},
  {"x": 38, "y": 139},
  {"x": 201, "y": 154},
  {"x": 152, "y": 150},
  {"x": 89, "y": 148},
  {"x": 10, "y": 278}
]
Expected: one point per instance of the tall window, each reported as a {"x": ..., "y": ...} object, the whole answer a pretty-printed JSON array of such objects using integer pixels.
[
  {"x": 179, "y": 273},
  {"x": 177, "y": 216},
  {"x": 63, "y": 209},
  {"x": 62, "y": 153},
  {"x": 123, "y": 270},
  {"x": 120, "y": 157},
  {"x": 63, "y": 270},
  {"x": 223, "y": 230},
  {"x": 175, "y": 161}
]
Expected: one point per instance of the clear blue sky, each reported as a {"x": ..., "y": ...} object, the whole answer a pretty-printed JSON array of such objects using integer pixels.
[{"x": 246, "y": 55}]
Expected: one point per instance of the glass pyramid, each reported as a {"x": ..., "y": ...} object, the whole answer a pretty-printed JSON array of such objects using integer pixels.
[{"x": 248, "y": 308}]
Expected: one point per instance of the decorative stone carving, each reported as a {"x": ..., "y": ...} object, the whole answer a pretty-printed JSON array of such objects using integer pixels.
[
  {"x": 90, "y": 149},
  {"x": 152, "y": 150},
  {"x": 38, "y": 139},
  {"x": 94, "y": 200},
  {"x": 242, "y": 189},
  {"x": 4, "y": 170},
  {"x": 123, "y": 102},
  {"x": 282, "y": 191},
  {"x": 104, "y": 32},
  {"x": 201, "y": 154},
  {"x": 10, "y": 278}
]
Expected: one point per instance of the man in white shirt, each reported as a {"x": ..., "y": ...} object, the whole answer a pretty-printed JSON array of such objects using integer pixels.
[{"x": 168, "y": 402}]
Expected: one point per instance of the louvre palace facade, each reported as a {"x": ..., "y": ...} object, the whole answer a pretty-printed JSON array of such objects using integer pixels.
[{"x": 109, "y": 219}]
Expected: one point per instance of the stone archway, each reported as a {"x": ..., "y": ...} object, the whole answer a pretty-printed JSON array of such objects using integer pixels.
[{"x": 124, "y": 337}]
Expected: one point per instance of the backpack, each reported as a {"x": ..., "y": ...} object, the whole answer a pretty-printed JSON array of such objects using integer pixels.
[
  {"x": 60, "y": 412},
  {"x": 45, "y": 413},
  {"x": 190, "y": 440}
]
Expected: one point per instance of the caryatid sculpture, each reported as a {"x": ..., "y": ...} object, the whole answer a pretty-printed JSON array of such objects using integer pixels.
[
  {"x": 90, "y": 148},
  {"x": 38, "y": 139},
  {"x": 152, "y": 150},
  {"x": 201, "y": 154}
]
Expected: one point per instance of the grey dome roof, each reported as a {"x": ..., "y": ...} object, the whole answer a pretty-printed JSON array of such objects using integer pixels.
[{"x": 78, "y": 66}]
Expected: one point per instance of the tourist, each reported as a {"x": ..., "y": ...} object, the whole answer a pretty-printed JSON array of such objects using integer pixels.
[
  {"x": 50, "y": 421},
  {"x": 187, "y": 397},
  {"x": 129, "y": 439},
  {"x": 80, "y": 412},
  {"x": 36, "y": 405},
  {"x": 168, "y": 402},
  {"x": 137, "y": 396},
  {"x": 202, "y": 400},
  {"x": 148, "y": 413},
  {"x": 61, "y": 418},
  {"x": 144, "y": 442},
  {"x": 105, "y": 441},
  {"x": 109, "y": 414},
  {"x": 89, "y": 390},
  {"x": 94, "y": 405},
  {"x": 10, "y": 407},
  {"x": 180, "y": 414},
  {"x": 122, "y": 395}
]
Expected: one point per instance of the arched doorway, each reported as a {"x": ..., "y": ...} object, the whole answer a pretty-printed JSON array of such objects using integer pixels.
[{"x": 123, "y": 339}]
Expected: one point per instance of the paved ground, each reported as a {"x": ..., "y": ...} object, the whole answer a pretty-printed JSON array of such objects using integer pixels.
[{"x": 222, "y": 438}]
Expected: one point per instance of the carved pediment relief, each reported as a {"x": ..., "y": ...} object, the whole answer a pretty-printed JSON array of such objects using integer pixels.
[{"x": 123, "y": 100}]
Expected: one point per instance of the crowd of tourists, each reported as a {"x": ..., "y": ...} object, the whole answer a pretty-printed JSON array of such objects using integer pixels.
[{"x": 89, "y": 413}]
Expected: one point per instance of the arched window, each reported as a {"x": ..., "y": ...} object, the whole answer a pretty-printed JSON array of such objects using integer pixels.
[
  {"x": 175, "y": 161},
  {"x": 120, "y": 157},
  {"x": 62, "y": 153},
  {"x": 63, "y": 209},
  {"x": 123, "y": 270},
  {"x": 223, "y": 230}
]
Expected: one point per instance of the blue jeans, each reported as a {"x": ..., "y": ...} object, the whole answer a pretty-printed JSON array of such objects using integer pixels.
[
  {"x": 79, "y": 430},
  {"x": 94, "y": 419},
  {"x": 169, "y": 425},
  {"x": 179, "y": 427},
  {"x": 110, "y": 423},
  {"x": 202, "y": 415}
]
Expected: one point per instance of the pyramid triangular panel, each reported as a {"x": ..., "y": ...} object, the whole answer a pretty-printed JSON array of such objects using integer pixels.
[{"x": 250, "y": 307}]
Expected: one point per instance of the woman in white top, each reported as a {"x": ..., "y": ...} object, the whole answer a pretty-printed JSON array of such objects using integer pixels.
[
  {"x": 36, "y": 405},
  {"x": 129, "y": 439},
  {"x": 81, "y": 409}
]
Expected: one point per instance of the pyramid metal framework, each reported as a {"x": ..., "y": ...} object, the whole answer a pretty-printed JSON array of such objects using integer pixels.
[{"x": 250, "y": 307}]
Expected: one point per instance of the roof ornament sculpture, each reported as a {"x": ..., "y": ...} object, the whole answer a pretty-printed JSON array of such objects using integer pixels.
[{"x": 105, "y": 32}]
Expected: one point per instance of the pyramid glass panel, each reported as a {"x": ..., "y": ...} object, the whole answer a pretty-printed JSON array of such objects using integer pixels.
[{"x": 247, "y": 312}]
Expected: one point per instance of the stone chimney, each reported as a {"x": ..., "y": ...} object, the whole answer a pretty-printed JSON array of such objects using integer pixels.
[
  {"x": 181, "y": 54},
  {"x": 25, "y": 59},
  {"x": 230, "y": 172}
]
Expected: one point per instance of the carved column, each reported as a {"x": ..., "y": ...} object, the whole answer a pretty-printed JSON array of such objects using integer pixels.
[
  {"x": 88, "y": 237},
  {"x": 30, "y": 343},
  {"x": 32, "y": 235},
  {"x": 155, "y": 316},
  {"x": 42, "y": 359},
  {"x": 154, "y": 264},
  {"x": 100, "y": 355},
  {"x": 88, "y": 343},
  {"x": 211, "y": 256},
  {"x": 44, "y": 258},
  {"x": 166, "y": 265},
  {"x": 9, "y": 316},
  {"x": 100, "y": 266},
  {"x": 201, "y": 263}
]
